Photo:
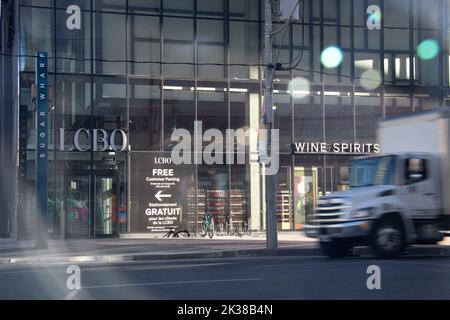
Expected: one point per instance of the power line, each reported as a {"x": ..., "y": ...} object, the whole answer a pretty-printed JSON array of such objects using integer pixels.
[
  {"x": 184, "y": 63},
  {"x": 285, "y": 26},
  {"x": 300, "y": 53}
]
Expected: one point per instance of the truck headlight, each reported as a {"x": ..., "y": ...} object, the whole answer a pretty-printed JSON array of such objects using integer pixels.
[{"x": 362, "y": 213}]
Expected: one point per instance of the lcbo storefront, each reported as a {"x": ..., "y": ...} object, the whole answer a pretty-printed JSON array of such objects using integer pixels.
[{"x": 125, "y": 75}]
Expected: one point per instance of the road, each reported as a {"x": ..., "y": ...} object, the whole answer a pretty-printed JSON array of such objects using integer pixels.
[{"x": 237, "y": 278}]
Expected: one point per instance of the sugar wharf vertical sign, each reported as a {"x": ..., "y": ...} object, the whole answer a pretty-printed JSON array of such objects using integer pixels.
[{"x": 41, "y": 148}]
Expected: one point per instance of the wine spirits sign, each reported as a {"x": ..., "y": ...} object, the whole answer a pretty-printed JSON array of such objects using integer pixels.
[{"x": 335, "y": 148}]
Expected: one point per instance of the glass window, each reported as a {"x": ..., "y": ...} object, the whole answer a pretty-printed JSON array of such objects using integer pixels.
[
  {"x": 36, "y": 34},
  {"x": 361, "y": 16},
  {"x": 37, "y": 3},
  {"x": 427, "y": 71},
  {"x": 282, "y": 48},
  {"x": 330, "y": 10},
  {"x": 144, "y": 6},
  {"x": 427, "y": 15},
  {"x": 396, "y": 13},
  {"x": 308, "y": 122},
  {"x": 210, "y": 8},
  {"x": 212, "y": 110},
  {"x": 368, "y": 111},
  {"x": 373, "y": 171},
  {"x": 306, "y": 187},
  {"x": 73, "y": 47},
  {"x": 248, "y": 10},
  {"x": 396, "y": 39},
  {"x": 213, "y": 180},
  {"x": 345, "y": 11},
  {"x": 74, "y": 106},
  {"x": 244, "y": 49},
  {"x": 109, "y": 43},
  {"x": 178, "y": 47},
  {"x": 396, "y": 104},
  {"x": 110, "y": 103},
  {"x": 211, "y": 49},
  {"x": 427, "y": 98},
  {"x": 144, "y": 45},
  {"x": 179, "y": 7},
  {"x": 110, "y": 5},
  {"x": 145, "y": 115},
  {"x": 179, "y": 110},
  {"x": 283, "y": 120},
  {"x": 367, "y": 66},
  {"x": 64, "y": 4},
  {"x": 339, "y": 121},
  {"x": 367, "y": 39}
]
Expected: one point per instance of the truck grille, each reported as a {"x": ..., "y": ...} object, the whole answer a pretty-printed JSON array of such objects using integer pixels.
[{"x": 330, "y": 211}]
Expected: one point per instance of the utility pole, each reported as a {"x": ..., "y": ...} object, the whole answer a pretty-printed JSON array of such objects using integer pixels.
[{"x": 270, "y": 180}]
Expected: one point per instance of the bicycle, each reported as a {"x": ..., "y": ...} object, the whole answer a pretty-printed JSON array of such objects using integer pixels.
[
  {"x": 208, "y": 226},
  {"x": 176, "y": 233}
]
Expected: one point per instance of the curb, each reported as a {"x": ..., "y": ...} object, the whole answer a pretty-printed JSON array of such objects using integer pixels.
[
  {"x": 162, "y": 256},
  {"x": 414, "y": 251}
]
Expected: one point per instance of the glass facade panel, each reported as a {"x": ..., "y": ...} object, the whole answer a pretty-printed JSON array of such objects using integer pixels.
[
  {"x": 144, "y": 6},
  {"x": 37, "y": 26},
  {"x": 179, "y": 7},
  {"x": 211, "y": 49},
  {"x": 244, "y": 50},
  {"x": 109, "y": 43},
  {"x": 144, "y": 46},
  {"x": 73, "y": 47},
  {"x": 145, "y": 115},
  {"x": 178, "y": 47}
]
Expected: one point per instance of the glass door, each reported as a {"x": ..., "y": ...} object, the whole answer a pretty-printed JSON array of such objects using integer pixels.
[
  {"x": 106, "y": 208},
  {"x": 77, "y": 215},
  {"x": 305, "y": 194}
]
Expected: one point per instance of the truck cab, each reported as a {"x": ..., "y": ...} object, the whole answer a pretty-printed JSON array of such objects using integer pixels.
[{"x": 393, "y": 200}]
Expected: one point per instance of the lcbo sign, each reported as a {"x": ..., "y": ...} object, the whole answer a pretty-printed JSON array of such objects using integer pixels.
[{"x": 98, "y": 140}]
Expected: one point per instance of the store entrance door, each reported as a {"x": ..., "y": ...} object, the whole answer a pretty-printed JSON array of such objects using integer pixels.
[{"x": 91, "y": 205}]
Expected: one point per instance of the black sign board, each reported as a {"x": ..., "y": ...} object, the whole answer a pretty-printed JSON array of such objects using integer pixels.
[{"x": 158, "y": 193}]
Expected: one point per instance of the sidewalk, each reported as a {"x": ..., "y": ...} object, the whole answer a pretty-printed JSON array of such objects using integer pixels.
[
  {"x": 117, "y": 250},
  {"x": 149, "y": 248}
]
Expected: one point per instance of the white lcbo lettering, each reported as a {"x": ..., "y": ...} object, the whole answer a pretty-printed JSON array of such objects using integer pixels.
[{"x": 98, "y": 138}]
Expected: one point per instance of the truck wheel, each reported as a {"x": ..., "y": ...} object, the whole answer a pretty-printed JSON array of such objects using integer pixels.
[
  {"x": 388, "y": 238},
  {"x": 335, "y": 249}
]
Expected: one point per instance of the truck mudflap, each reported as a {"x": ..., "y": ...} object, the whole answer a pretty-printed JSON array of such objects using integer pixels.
[{"x": 351, "y": 229}]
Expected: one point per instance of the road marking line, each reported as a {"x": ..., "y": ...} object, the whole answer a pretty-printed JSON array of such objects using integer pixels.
[
  {"x": 127, "y": 267},
  {"x": 71, "y": 295},
  {"x": 170, "y": 282}
]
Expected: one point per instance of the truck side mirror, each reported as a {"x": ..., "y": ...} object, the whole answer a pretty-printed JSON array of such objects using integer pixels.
[{"x": 344, "y": 175}]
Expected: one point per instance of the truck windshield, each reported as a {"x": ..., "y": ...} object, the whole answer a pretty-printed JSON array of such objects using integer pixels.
[{"x": 373, "y": 171}]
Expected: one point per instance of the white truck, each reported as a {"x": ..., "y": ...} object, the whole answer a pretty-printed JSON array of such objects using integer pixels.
[{"x": 396, "y": 198}]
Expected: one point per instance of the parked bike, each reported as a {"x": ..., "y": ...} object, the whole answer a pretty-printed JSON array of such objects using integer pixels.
[{"x": 208, "y": 226}]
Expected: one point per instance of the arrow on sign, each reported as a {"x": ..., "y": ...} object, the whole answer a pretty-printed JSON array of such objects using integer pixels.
[{"x": 159, "y": 196}]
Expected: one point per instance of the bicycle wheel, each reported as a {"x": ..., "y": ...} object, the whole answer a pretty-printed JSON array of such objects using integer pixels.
[
  {"x": 211, "y": 231},
  {"x": 204, "y": 230}
]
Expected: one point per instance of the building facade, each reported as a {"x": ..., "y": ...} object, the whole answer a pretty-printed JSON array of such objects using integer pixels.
[{"x": 125, "y": 74}]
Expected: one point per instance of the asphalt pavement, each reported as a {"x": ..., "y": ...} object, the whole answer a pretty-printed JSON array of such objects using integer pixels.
[{"x": 247, "y": 278}]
